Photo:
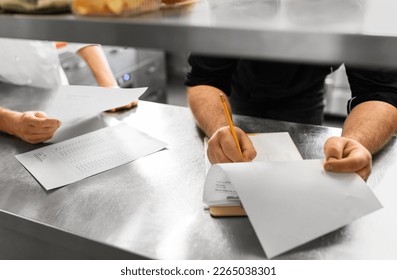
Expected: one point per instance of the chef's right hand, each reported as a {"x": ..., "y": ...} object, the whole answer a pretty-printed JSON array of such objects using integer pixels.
[
  {"x": 34, "y": 126},
  {"x": 223, "y": 148}
]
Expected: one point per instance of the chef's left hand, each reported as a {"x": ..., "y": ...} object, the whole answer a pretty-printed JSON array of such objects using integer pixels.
[
  {"x": 126, "y": 107},
  {"x": 347, "y": 155}
]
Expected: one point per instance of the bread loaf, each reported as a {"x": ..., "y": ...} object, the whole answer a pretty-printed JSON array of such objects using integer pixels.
[
  {"x": 113, "y": 7},
  {"x": 172, "y": 1}
]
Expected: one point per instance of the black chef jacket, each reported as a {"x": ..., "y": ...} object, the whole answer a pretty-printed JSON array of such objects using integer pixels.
[{"x": 286, "y": 91}]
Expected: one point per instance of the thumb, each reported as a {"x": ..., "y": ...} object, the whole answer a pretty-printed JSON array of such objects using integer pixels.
[
  {"x": 329, "y": 164},
  {"x": 40, "y": 114}
]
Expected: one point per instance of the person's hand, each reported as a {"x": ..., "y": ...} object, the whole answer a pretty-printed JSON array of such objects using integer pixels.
[
  {"x": 126, "y": 107},
  {"x": 34, "y": 126},
  {"x": 347, "y": 155},
  {"x": 223, "y": 148}
]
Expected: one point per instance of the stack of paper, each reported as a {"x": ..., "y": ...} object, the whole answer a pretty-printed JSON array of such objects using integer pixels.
[{"x": 221, "y": 193}]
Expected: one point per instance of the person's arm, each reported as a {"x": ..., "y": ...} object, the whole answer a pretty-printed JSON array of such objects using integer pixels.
[
  {"x": 369, "y": 125},
  {"x": 96, "y": 60},
  {"x": 210, "y": 76},
  {"x": 372, "y": 124},
  {"x": 366, "y": 130},
  {"x": 206, "y": 106},
  {"x": 32, "y": 126},
  {"x": 98, "y": 63}
]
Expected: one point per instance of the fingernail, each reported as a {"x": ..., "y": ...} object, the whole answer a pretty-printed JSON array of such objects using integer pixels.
[{"x": 329, "y": 167}]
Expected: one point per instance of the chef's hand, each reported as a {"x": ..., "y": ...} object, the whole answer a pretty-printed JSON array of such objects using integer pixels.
[
  {"x": 347, "y": 155},
  {"x": 34, "y": 126},
  {"x": 223, "y": 148},
  {"x": 126, "y": 107}
]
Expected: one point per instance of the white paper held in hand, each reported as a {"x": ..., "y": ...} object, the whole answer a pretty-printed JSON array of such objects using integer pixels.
[
  {"x": 72, "y": 102},
  {"x": 290, "y": 203}
]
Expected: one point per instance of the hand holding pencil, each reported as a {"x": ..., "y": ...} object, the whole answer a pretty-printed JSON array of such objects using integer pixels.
[{"x": 229, "y": 143}]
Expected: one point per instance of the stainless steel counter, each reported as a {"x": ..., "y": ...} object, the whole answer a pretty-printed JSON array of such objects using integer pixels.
[
  {"x": 361, "y": 32},
  {"x": 152, "y": 207}
]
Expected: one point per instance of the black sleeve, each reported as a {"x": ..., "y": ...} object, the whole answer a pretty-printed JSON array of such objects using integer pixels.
[
  {"x": 372, "y": 84},
  {"x": 211, "y": 71}
]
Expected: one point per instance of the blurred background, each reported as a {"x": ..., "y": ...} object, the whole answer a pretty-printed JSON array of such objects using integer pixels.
[{"x": 164, "y": 73}]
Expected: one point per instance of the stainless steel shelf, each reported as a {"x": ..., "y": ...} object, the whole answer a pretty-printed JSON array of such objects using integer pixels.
[{"x": 360, "y": 32}]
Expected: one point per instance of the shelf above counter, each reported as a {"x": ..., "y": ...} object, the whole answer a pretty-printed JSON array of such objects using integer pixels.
[{"x": 360, "y": 32}]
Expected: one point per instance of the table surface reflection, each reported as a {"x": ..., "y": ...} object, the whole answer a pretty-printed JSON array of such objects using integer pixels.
[{"x": 152, "y": 207}]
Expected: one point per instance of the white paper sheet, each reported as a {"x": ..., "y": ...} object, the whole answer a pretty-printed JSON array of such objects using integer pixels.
[
  {"x": 269, "y": 147},
  {"x": 82, "y": 126},
  {"x": 72, "y": 160},
  {"x": 290, "y": 203},
  {"x": 73, "y": 102}
]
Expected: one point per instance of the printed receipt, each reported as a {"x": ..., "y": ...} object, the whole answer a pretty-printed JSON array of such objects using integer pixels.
[{"x": 69, "y": 161}]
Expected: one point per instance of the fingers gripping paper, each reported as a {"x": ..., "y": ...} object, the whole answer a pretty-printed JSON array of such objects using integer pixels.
[
  {"x": 73, "y": 102},
  {"x": 290, "y": 203}
]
